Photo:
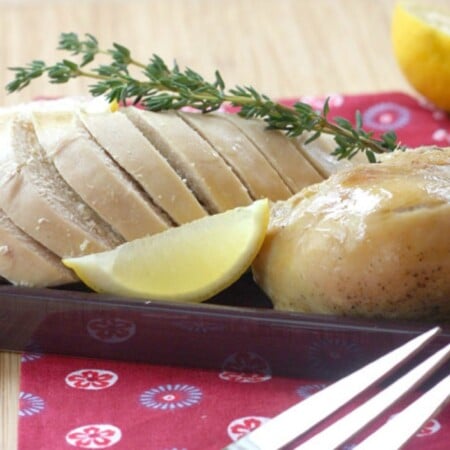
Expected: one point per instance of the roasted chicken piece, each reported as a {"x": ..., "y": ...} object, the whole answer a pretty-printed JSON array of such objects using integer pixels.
[{"x": 372, "y": 240}]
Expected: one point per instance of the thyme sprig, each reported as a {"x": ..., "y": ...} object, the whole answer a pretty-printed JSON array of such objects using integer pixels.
[{"x": 164, "y": 88}]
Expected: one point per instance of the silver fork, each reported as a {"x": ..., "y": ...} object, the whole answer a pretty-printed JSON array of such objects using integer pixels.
[{"x": 298, "y": 419}]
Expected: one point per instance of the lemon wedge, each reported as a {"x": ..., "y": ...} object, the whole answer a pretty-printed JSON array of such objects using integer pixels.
[
  {"x": 189, "y": 263},
  {"x": 421, "y": 42}
]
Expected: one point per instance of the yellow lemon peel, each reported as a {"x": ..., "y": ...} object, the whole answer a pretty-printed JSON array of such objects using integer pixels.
[{"x": 421, "y": 42}]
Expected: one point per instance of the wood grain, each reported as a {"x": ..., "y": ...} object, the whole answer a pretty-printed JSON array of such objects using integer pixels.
[{"x": 282, "y": 47}]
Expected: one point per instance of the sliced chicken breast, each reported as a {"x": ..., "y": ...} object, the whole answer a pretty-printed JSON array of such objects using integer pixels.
[
  {"x": 25, "y": 262},
  {"x": 213, "y": 182},
  {"x": 96, "y": 177},
  {"x": 292, "y": 167},
  {"x": 253, "y": 169},
  {"x": 38, "y": 201},
  {"x": 139, "y": 158}
]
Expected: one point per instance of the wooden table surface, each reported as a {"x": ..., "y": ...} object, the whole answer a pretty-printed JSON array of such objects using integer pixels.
[{"x": 281, "y": 47}]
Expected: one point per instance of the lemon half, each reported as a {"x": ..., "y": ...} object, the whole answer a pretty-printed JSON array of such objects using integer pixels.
[
  {"x": 189, "y": 263},
  {"x": 421, "y": 42}
]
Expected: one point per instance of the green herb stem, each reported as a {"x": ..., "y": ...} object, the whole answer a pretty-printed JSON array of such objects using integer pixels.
[{"x": 165, "y": 88}]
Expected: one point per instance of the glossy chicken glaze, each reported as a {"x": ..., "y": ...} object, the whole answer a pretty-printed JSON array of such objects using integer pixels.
[{"x": 373, "y": 240}]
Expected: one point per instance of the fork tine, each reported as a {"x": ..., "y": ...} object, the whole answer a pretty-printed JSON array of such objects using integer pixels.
[
  {"x": 397, "y": 431},
  {"x": 299, "y": 418},
  {"x": 344, "y": 428}
]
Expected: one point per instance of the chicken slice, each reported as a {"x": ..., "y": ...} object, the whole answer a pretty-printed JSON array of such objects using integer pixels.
[
  {"x": 38, "y": 200},
  {"x": 253, "y": 169},
  {"x": 208, "y": 176},
  {"x": 320, "y": 154},
  {"x": 24, "y": 262},
  {"x": 96, "y": 177},
  {"x": 295, "y": 170},
  {"x": 137, "y": 156}
]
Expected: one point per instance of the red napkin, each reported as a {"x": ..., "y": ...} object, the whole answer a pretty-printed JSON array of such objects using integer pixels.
[{"x": 68, "y": 403}]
